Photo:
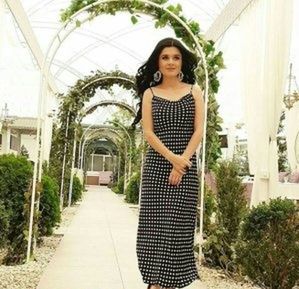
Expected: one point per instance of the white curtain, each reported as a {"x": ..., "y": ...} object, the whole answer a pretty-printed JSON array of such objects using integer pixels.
[
  {"x": 265, "y": 28},
  {"x": 1, "y": 24}
]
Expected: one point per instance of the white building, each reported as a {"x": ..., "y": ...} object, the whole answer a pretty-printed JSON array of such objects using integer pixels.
[{"x": 17, "y": 132}]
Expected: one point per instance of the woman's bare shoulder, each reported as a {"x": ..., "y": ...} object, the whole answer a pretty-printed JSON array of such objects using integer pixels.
[
  {"x": 197, "y": 92},
  {"x": 147, "y": 94}
]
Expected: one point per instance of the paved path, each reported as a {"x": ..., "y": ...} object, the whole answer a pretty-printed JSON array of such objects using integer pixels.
[{"x": 98, "y": 248}]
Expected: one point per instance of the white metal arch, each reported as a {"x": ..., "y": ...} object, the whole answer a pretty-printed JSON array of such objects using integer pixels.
[
  {"x": 104, "y": 102},
  {"x": 71, "y": 25},
  {"x": 95, "y": 130},
  {"x": 101, "y": 131},
  {"x": 112, "y": 102}
]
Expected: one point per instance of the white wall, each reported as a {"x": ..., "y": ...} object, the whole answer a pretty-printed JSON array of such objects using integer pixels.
[{"x": 29, "y": 142}]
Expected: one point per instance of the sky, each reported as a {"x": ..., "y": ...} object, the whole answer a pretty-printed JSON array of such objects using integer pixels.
[{"x": 106, "y": 43}]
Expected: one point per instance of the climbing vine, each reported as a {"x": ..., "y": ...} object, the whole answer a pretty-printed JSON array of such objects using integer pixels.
[{"x": 71, "y": 112}]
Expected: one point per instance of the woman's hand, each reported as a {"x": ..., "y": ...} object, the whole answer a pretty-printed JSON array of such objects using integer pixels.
[
  {"x": 180, "y": 163},
  {"x": 175, "y": 177}
]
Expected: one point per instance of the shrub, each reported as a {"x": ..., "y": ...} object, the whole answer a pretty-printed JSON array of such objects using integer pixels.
[
  {"x": 49, "y": 206},
  {"x": 209, "y": 210},
  {"x": 132, "y": 190},
  {"x": 232, "y": 205},
  {"x": 268, "y": 250},
  {"x": 4, "y": 224},
  {"x": 77, "y": 190},
  {"x": 231, "y": 208},
  {"x": 119, "y": 188},
  {"x": 15, "y": 178},
  {"x": 113, "y": 181}
]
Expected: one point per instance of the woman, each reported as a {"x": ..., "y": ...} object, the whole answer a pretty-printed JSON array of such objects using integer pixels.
[{"x": 172, "y": 112}]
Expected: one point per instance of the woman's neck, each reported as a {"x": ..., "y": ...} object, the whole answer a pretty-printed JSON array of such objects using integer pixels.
[{"x": 170, "y": 82}]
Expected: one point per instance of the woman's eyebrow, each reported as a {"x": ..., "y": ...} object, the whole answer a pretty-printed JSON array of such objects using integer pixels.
[{"x": 164, "y": 54}]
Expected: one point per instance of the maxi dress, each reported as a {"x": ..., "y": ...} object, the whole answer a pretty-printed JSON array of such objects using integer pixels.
[{"x": 167, "y": 213}]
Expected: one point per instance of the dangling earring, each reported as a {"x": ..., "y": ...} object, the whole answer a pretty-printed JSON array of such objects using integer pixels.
[
  {"x": 181, "y": 76},
  {"x": 157, "y": 76}
]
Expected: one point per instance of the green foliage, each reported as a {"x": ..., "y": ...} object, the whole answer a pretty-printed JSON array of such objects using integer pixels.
[
  {"x": 283, "y": 165},
  {"x": 119, "y": 189},
  {"x": 268, "y": 250},
  {"x": 134, "y": 19},
  {"x": 77, "y": 190},
  {"x": 4, "y": 224},
  {"x": 71, "y": 112},
  {"x": 15, "y": 177},
  {"x": 49, "y": 206},
  {"x": 132, "y": 190},
  {"x": 121, "y": 120},
  {"x": 231, "y": 200},
  {"x": 213, "y": 149},
  {"x": 210, "y": 207},
  {"x": 217, "y": 250},
  {"x": 241, "y": 159},
  {"x": 231, "y": 209}
]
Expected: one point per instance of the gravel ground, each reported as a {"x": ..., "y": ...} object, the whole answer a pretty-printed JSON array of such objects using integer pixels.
[
  {"x": 27, "y": 276},
  {"x": 216, "y": 279}
]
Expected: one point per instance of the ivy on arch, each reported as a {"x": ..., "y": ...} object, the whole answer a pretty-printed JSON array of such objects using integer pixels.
[
  {"x": 73, "y": 102},
  {"x": 71, "y": 112}
]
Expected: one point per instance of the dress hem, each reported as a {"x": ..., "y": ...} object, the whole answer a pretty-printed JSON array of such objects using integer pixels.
[{"x": 197, "y": 277}]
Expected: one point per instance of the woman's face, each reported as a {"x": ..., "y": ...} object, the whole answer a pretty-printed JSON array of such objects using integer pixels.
[{"x": 170, "y": 61}]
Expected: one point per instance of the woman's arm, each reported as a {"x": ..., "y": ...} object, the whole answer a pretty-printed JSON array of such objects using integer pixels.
[{"x": 198, "y": 123}]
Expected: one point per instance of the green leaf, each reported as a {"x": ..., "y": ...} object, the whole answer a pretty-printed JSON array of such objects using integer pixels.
[
  {"x": 134, "y": 19},
  {"x": 78, "y": 23}
]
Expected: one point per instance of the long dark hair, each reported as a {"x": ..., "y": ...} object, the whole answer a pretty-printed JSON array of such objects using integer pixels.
[{"x": 145, "y": 73}]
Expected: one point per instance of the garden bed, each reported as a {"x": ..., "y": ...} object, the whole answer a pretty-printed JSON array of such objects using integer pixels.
[{"x": 27, "y": 276}]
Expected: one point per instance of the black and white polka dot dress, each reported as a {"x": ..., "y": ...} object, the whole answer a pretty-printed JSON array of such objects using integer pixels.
[{"x": 167, "y": 213}]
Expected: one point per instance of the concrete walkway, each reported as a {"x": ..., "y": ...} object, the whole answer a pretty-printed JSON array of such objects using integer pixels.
[{"x": 98, "y": 248}]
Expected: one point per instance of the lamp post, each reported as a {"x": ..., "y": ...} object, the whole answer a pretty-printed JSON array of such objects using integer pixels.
[
  {"x": 292, "y": 96},
  {"x": 5, "y": 121}
]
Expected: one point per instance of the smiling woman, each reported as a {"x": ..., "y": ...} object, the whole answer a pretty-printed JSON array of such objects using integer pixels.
[{"x": 173, "y": 127}]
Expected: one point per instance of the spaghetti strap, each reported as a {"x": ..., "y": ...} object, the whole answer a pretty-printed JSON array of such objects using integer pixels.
[
  {"x": 151, "y": 91},
  {"x": 191, "y": 88}
]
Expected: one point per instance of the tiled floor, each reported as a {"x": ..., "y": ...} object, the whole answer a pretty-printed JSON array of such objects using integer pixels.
[{"x": 98, "y": 248}]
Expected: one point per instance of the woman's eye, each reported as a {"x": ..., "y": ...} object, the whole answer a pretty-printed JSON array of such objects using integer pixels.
[{"x": 175, "y": 57}]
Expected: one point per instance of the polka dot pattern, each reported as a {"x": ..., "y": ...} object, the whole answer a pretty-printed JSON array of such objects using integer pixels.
[{"x": 167, "y": 213}]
